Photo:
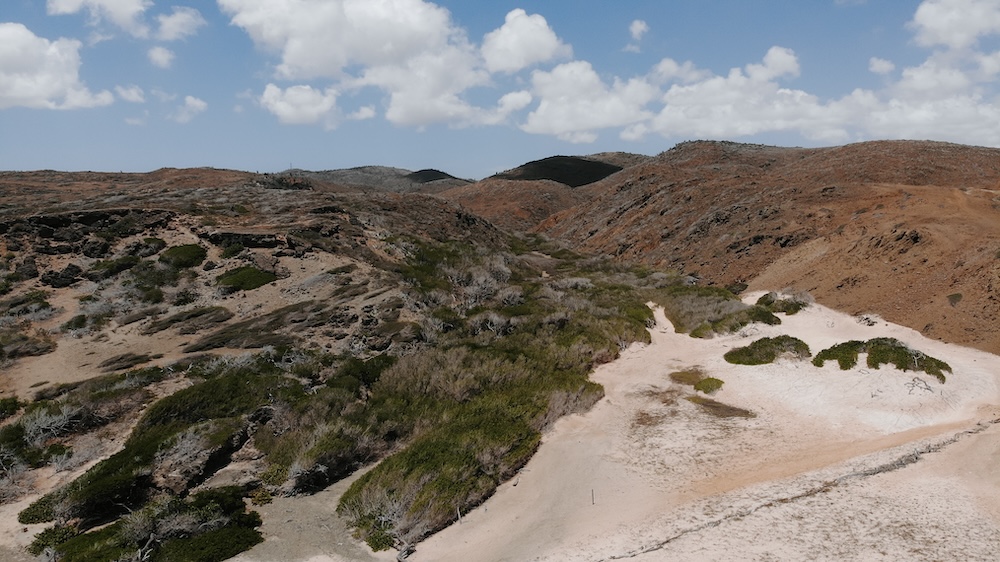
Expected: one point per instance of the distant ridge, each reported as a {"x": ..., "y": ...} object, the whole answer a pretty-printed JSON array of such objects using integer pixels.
[
  {"x": 428, "y": 175},
  {"x": 384, "y": 178},
  {"x": 573, "y": 171}
]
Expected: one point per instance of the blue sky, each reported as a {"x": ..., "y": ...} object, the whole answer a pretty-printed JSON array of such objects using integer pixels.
[{"x": 475, "y": 87}]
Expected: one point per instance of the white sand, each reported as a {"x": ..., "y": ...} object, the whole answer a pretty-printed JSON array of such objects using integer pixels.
[
  {"x": 727, "y": 487},
  {"x": 793, "y": 483}
]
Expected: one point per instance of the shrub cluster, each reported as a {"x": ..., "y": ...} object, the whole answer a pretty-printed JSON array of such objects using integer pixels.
[
  {"x": 766, "y": 350},
  {"x": 883, "y": 351}
]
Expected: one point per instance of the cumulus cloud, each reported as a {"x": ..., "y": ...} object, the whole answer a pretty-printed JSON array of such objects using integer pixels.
[
  {"x": 161, "y": 57},
  {"x": 747, "y": 101},
  {"x": 880, "y": 66},
  {"x": 183, "y": 22},
  {"x": 574, "y": 102},
  {"x": 409, "y": 49},
  {"x": 300, "y": 105},
  {"x": 132, "y": 93},
  {"x": 522, "y": 41},
  {"x": 38, "y": 73},
  {"x": 126, "y": 14},
  {"x": 637, "y": 29},
  {"x": 319, "y": 38},
  {"x": 192, "y": 107},
  {"x": 955, "y": 23}
]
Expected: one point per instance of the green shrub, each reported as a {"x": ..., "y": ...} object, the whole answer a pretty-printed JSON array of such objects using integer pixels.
[
  {"x": 9, "y": 406},
  {"x": 708, "y": 385},
  {"x": 187, "y": 255},
  {"x": 766, "y": 350},
  {"x": 890, "y": 350},
  {"x": 790, "y": 305},
  {"x": 77, "y": 322},
  {"x": 846, "y": 354},
  {"x": 106, "y": 269},
  {"x": 882, "y": 351},
  {"x": 212, "y": 546},
  {"x": 954, "y": 299},
  {"x": 689, "y": 377},
  {"x": 50, "y": 537},
  {"x": 232, "y": 250},
  {"x": 245, "y": 278},
  {"x": 703, "y": 311}
]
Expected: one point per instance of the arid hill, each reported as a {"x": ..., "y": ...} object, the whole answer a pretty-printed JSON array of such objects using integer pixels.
[
  {"x": 905, "y": 229},
  {"x": 180, "y": 347}
]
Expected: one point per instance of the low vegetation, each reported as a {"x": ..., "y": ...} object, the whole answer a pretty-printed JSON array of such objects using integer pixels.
[
  {"x": 785, "y": 303},
  {"x": 246, "y": 278},
  {"x": 766, "y": 350},
  {"x": 187, "y": 255},
  {"x": 704, "y": 311},
  {"x": 718, "y": 409},
  {"x": 883, "y": 351}
]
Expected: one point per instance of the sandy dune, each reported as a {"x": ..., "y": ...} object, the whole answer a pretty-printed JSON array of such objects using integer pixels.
[
  {"x": 820, "y": 473},
  {"x": 858, "y": 465}
]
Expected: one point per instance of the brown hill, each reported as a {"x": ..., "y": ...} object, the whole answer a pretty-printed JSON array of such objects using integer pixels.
[
  {"x": 514, "y": 204},
  {"x": 909, "y": 230}
]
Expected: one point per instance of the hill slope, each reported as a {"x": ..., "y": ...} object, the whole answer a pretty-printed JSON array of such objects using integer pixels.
[{"x": 901, "y": 228}]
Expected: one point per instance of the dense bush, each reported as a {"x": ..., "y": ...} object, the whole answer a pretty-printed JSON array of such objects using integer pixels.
[
  {"x": 880, "y": 352},
  {"x": 245, "y": 278},
  {"x": 708, "y": 385},
  {"x": 187, "y": 255},
  {"x": 766, "y": 350}
]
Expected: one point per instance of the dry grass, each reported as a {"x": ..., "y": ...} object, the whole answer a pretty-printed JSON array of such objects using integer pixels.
[
  {"x": 720, "y": 410},
  {"x": 689, "y": 377}
]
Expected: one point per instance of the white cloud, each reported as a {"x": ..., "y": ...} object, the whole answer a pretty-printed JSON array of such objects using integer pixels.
[
  {"x": 745, "y": 102},
  {"x": 637, "y": 29},
  {"x": 183, "y": 22},
  {"x": 320, "y": 38},
  {"x": 301, "y": 105},
  {"x": 955, "y": 23},
  {"x": 778, "y": 62},
  {"x": 880, "y": 66},
  {"x": 522, "y": 41},
  {"x": 132, "y": 94},
  {"x": 668, "y": 70},
  {"x": 163, "y": 96},
  {"x": 161, "y": 57},
  {"x": 192, "y": 107},
  {"x": 126, "y": 14},
  {"x": 38, "y": 73},
  {"x": 938, "y": 77},
  {"x": 428, "y": 88},
  {"x": 362, "y": 114},
  {"x": 575, "y": 102}
]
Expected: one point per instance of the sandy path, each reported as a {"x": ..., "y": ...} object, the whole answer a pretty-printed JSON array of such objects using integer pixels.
[{"x": 727, "y": 487}]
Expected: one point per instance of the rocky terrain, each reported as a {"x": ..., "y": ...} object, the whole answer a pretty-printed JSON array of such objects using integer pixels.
[{"x": 443, "y": 325}]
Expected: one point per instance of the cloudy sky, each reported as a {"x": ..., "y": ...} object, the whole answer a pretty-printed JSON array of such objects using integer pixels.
[{"x": 473, "y": 88}]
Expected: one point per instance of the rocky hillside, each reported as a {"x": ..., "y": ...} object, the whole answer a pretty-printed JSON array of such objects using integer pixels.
[{"x": 905, "y": 229}]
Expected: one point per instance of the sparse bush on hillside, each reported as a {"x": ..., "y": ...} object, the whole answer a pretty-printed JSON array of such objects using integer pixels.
[
  {"x": 187, "y": 255},
  {"x": 788, "y": 304},
  {"x": 703, "y": 311},
  {"x": 246, "y": 278},
  {"x": 766, "y": 350}
]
